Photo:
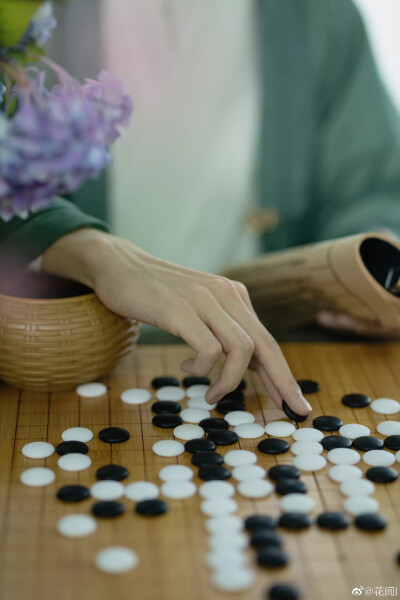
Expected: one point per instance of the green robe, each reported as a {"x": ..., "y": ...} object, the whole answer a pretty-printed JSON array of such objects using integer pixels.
[{"x": 330, "y": 157}]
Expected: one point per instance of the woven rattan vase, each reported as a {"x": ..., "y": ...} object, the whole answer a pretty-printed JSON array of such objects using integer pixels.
[{"x": 54, "y": 344}]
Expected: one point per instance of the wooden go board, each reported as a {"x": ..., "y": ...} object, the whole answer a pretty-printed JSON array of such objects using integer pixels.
[{"x": 36, "y": 563}]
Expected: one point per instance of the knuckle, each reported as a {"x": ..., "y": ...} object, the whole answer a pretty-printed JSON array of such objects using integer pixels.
[{"x": 221, "y": 285}]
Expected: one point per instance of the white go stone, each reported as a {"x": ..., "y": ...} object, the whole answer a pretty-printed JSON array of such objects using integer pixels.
[
  {"x": 77, "y": 434},
  {"x": 135, "y": 396},
  {"x": 194, "y": 415},
  {"x": 341, "y": 473},
  {"x": 357, "y": 487},
  {"x": 233, "y": 580},
  {"x": 385, "y": 406},
  {"x": 229, "y": 541},
  {"x": 224, "y": 524},
  {"x": 168, "y": 448},
  {"x": 297, "y": 503},
  {"x": 358, "y": 505},
  {"x": 280, "y": 429},
  {"x": 218, "y": 559},
  {"x": 141, "y": 490},
  {"x": 188, "y": 432},
  {"x": 255, "y": 488},
  {"x": 197, "y": 390},
  {"x": 238, "y": 417},
  {"x": 91, "y": 390},
  {"x": 397, "y": 455},
  {"x": 178, "y": 490},
  {"x": 237, "y": 458},
  {"x": 170, "y": 392},
  {"x": 343, "y": 456},
  {"x": 378, "y": 458},
  {"x": 176, "y": 473},
  {"x": 116, "y": 559},
  {"x": 354, "y": 430},
  {"x": 76, "y": 526},
  {"x": 218, "y": 506},
  {"x": 74, "y": 462},
  {"x": 200, "y": 402},
  {"x": 38, "y": 450},
  {"x": 37, "y": 477},
  {"x": 216, "y": 489},
  {"x": 248, "y": 472},
  {"x": 306, "y": 447},
  {"x": 249, "y": 431},
  {"x": 309, "y": 462},
  {"x": 389, "y": 428},
  {"x": 308, "y": 434},
  {"x": 107, "y": 490}
]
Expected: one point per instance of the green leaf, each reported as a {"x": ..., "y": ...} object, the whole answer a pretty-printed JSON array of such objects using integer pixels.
[{"x": 14, "y": 19}]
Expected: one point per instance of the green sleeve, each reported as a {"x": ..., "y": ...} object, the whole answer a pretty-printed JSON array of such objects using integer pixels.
[
  {"x": 23, "y": 240},
  {"x": 357, "y": 164}
]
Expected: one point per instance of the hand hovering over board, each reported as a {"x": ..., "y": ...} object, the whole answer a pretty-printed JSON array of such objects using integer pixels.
[{"x": 212, "y": 314}]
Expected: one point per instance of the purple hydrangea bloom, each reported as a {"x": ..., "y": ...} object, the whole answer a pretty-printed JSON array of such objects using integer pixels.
[
  {"x": 42, "y": 23},
  {"x": 108, "y": 94},
  {"x": 57, "y": 139}
]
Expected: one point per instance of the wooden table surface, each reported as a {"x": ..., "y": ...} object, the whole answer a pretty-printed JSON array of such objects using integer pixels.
[{"x": 38, "y": 564}]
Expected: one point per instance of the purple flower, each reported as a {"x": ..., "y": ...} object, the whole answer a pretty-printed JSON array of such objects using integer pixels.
[
  {"x": 108, "y": 94},
  {"x": 57, "y": 139},
  {"x": 42, "y": 23}
]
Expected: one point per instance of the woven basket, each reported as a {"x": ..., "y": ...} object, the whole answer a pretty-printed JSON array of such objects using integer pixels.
[{"x": 54, "y": 344}]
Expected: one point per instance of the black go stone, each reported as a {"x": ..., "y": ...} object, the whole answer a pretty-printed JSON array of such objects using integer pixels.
[
  {"x": 236, "y": 394},
  {"x": 193, "y": 380},
  {"x": 327, "y": 423},
  {"x": 291, "y": 414},
  {"x": 333, "y": 521},
  {"x": 165, "y": 407},
  {"x": 381, "y": 474},
  {"x": 200, "y": 445},
  {"x": 367, "y": 442},
  {"x": 356, "y": 400},
  {"x": 370, "y": 522},
  {"x": 257, "y": 522},
  {"x": 265, "y": 537},
  {"x": 114, "y": 472},
  {"x": 335, "y": 441},
  {"x": 214, "y": 424},
  {"x": 72, "y": 447},
  {"x": 108, "y": 509},
  {"x": 273, "y": 446},
  {"x": 242, "y": 385},
  {"x": 73, "y": 493},
  {"x": 308, "y": 386},
  {"x": 214, "y": 472},
  {"x": 294, "y": 521},
  {"x": 272, "y": 557},
  {"x": 228, "y": 405},
  {"x": 223, "y": 438},
  {"x": 283, "y": 591},
  {"x": 201, "y": 459},
  {"x": 114, "y": 435},
  {"x": 398, "y": 558},
  {"x": 151, "y": 508},
  {"x": 283, "y": 472},
  {"x": 167, "y": 421},
  {"x": 392, "y": 442},
  {"x": 290, "y": 486},
  {"x": 159, "y": 382}
]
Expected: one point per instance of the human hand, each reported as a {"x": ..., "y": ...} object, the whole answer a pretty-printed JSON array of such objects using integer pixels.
[
  {"x": 212, "y": 314},
  {"x": 343, "y": 322}
]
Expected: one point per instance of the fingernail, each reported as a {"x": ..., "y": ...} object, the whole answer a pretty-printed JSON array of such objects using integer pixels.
[{"x": 306, "y": 403}]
